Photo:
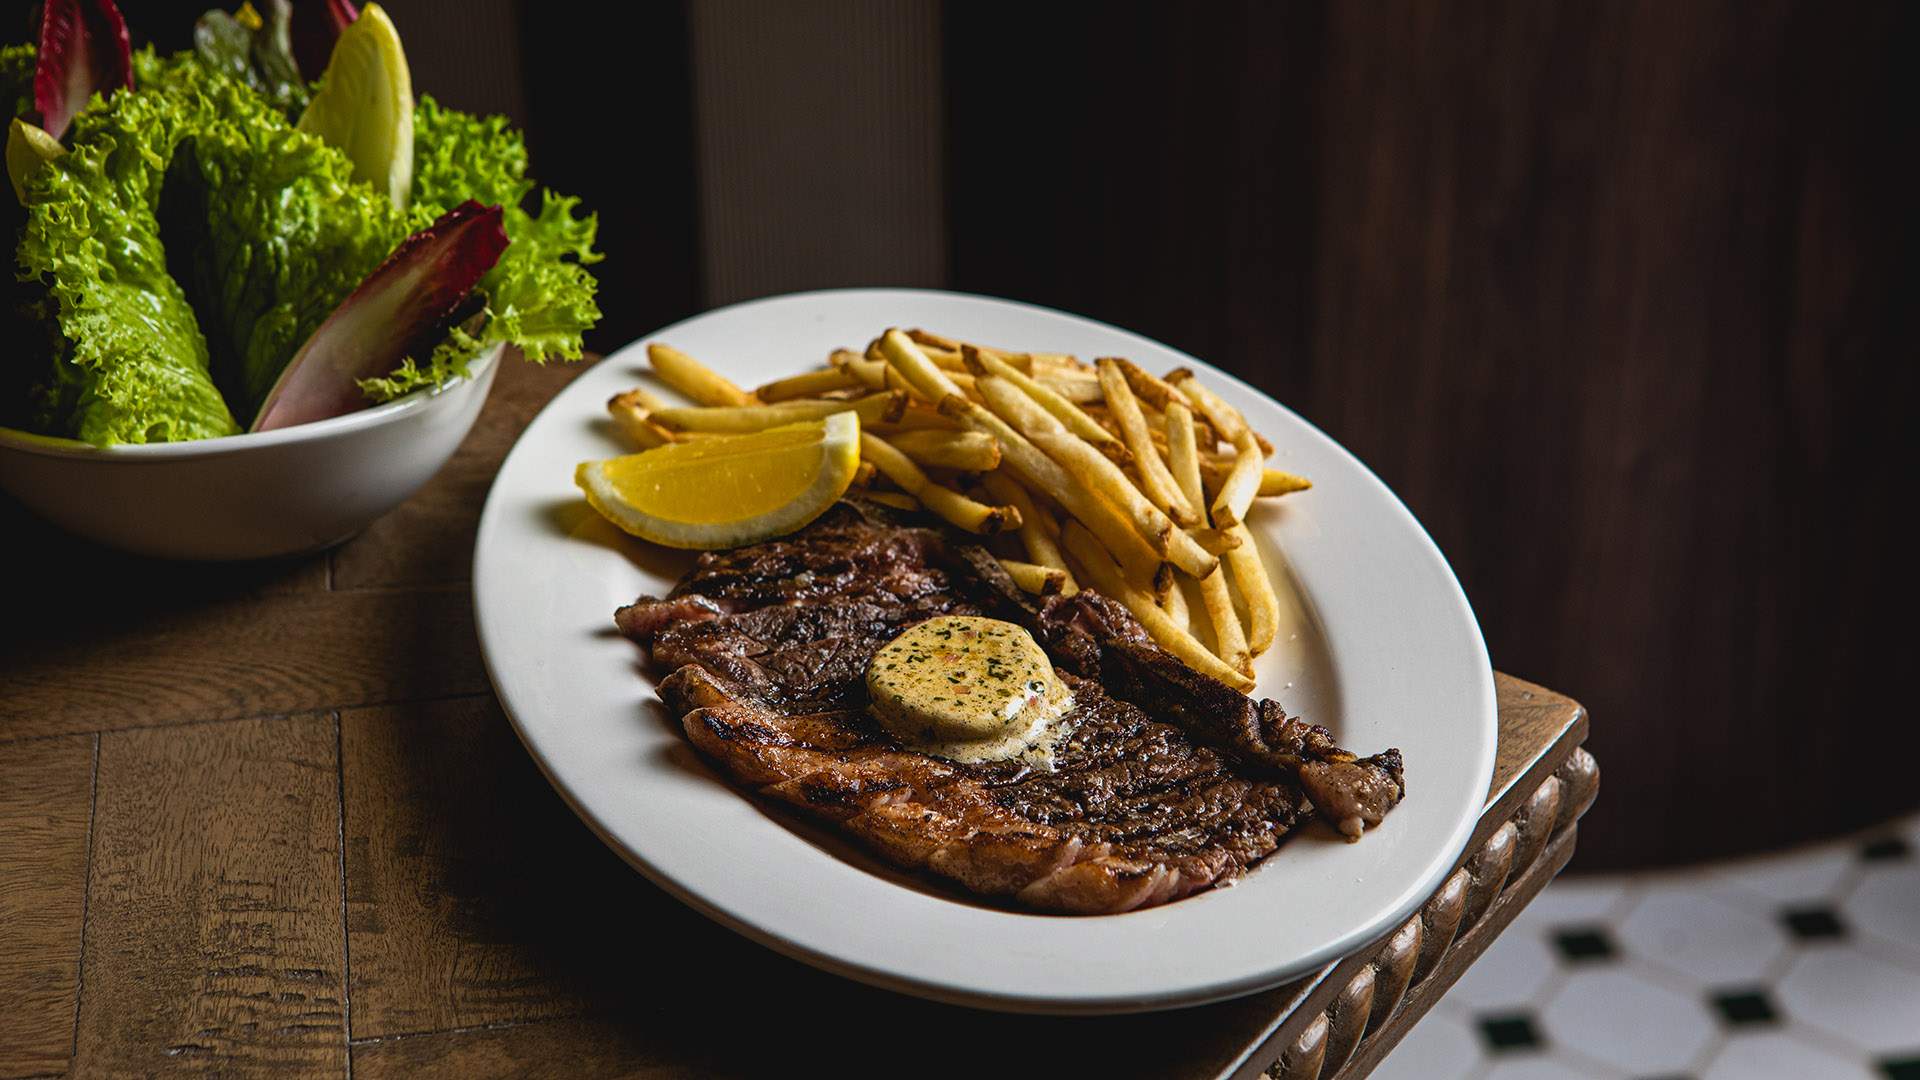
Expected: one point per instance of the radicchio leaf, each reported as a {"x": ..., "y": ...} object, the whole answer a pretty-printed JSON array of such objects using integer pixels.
[
  {"x": 341, "y": 13},
  {"x": 83, "y": 50},
  {"x": 394, "y": 314}
]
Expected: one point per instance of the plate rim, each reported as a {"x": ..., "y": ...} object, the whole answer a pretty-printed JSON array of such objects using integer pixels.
[{"x": 1441, "y": 863}]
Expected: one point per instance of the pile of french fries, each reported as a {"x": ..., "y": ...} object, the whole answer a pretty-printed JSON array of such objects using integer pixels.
[{"x": 1108, "y": 475}]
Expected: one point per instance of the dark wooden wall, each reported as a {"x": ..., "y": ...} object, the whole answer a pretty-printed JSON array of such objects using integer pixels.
[{"x": 1617, "y": 296}]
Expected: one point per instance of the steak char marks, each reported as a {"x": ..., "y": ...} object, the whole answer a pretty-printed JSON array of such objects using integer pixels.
[{"x": 1169, "y": 782}]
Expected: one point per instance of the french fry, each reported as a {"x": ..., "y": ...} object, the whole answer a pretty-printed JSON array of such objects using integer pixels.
[
  {"x": 1102, "y": 475},
  {"x": 1273, "y": 482},
  {"x": 954, "y": 507},
  {"x": 1225, "y": 418},
  {"x": 1061, "y": 361},
  {"x": 873, "y": 408},
  {"x": 635, "y": 423},
  {"x": 1103, "y": 575},
  {"x": 1079, "y": 387},
  {"x": 1039, "y": 532},
  {"x": 647, "y": 399},
  {"x": 895, "y": 378},
  {"x": 807, "y": 384},
  {"x": 869, "y": 373},
  {"x": 934, "y": 343},
  {"x": 1175, "y": 605},
  {"x": 1077, "y": 457},
  {"x": 692, "y": 378},
  {"x": 927, "y": 338},
  {"x": 863, "y": 474},
  {"x": 969, "y": 451},
  {"x": 1218, "y": 541},
  {"x": 1038, "y": 580},
  {"x": 1001, "y": 485},
  {"x": 1183, "y": 453},
  {"x": 944, "y": 359},
  {"x": 877, "y": 374},
  {"x": 1229, "y": 638},
  {"x": 932, "y": 383},
  {"x": 1155, "y": 481},
  {"x": 1048, "y": 477},
  {"x": 918, "y": 418},
  {"x": 1263, "y": 606},
  {"x": 1203, "y": 433},
  {"x": 1150, "y": 388},
  {"x": 1069, "y": 414},
  {"x": 895, "y": 499},
  {"x": 1240, "y": 485}
]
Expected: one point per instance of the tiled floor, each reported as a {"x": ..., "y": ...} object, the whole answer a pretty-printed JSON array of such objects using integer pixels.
[{"x": 1801, "y": 966}]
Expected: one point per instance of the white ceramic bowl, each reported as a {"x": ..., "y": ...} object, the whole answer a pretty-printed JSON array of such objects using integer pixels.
[{"x": 248, "y": 496}]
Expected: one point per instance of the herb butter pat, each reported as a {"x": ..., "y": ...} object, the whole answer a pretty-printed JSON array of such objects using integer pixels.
[{"x": 970, "y": 689}]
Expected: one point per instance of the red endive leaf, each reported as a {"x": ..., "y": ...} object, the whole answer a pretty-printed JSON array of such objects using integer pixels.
[
  {"x": 341, "y": 13},
  {"x": 394, "y": 314},
  {"x": 83, "y": 49}
]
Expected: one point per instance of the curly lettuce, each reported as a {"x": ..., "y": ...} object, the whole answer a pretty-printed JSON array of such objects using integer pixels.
[
  {"x": 268, "y": 231},
  {"x": 169, "y": 301},
  {"x": 17, "y": 64},
  {"x": 540, "y": 296},
  {"x": 134, "y": 366},
  {"x": 193, "y": 239}
]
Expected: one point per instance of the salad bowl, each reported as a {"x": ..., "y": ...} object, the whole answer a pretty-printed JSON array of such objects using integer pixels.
[{"x": 257, "y": 495}]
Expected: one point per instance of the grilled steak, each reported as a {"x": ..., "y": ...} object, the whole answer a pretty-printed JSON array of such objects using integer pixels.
[{"x": 1169, "y": 783}]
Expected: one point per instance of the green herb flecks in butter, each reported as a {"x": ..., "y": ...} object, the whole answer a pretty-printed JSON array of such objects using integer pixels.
[{"x": 969, "y": 689}]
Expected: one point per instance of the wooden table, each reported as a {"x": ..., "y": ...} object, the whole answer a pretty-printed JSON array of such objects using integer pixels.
[{"x": 268, "y": 819}]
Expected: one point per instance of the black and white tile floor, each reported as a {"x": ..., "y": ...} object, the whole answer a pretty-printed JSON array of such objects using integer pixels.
[{"x": 1803, "y": 965}]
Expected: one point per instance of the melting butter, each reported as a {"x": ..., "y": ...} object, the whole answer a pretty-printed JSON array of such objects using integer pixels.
[{"x": 969, "y": 689}]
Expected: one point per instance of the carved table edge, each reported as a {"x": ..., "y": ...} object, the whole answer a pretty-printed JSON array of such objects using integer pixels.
[{"x": 1368, "y": 1015}]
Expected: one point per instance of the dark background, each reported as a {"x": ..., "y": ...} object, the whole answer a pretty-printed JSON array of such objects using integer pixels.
[{"x": 1616, "y": 296}]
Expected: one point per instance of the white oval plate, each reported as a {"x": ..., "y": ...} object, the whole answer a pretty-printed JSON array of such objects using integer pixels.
[{"x": 1381, "y": 647}]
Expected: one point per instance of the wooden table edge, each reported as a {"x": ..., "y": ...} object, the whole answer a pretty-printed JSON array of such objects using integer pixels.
[{"x": 1374, "y": 995}]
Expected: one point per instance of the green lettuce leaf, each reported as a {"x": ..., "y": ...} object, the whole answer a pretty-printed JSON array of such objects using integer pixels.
[
  {"x": 168, "y": 300},
  {"x": 17, "y": 63},
  {"x": 258, "y": 53},
  {"x": 134, "y": 367},
  {"x": 268, "y": 231},
  {"x": 193, "y": 240},
  {"x": 540, "y": 296}
]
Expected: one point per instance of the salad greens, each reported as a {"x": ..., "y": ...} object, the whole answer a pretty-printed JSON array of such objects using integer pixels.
[
  {"x": 192, "y": 240},
  {"x": 257, "y": 50},
  {"x": 426, "y": 283},
  {"x": 265, "y": 229},
  {"x": 84, "y": 44}
]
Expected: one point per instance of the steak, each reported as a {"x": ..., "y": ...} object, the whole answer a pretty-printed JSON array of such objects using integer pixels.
[{"x": 1168, "y": 783}]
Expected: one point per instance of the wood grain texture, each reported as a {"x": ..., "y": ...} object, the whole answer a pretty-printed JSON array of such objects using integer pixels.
[
  {"x": 467, "y": 880},
  {"x": 46, "y": 805},
  {"x": 1532, "y": 718},
  {"x": 1613, "y": 295},
  {"x": 428, "y": 540},
  {"x": 214, "y": 933},
  {"x": 170, "y": 654},
  {"x": 614, "y": 1050}
]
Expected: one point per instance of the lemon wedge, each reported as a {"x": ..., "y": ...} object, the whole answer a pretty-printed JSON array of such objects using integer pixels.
[
  {"x": 365, "y": 104},
  {"x": 727, "y": 491}
]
